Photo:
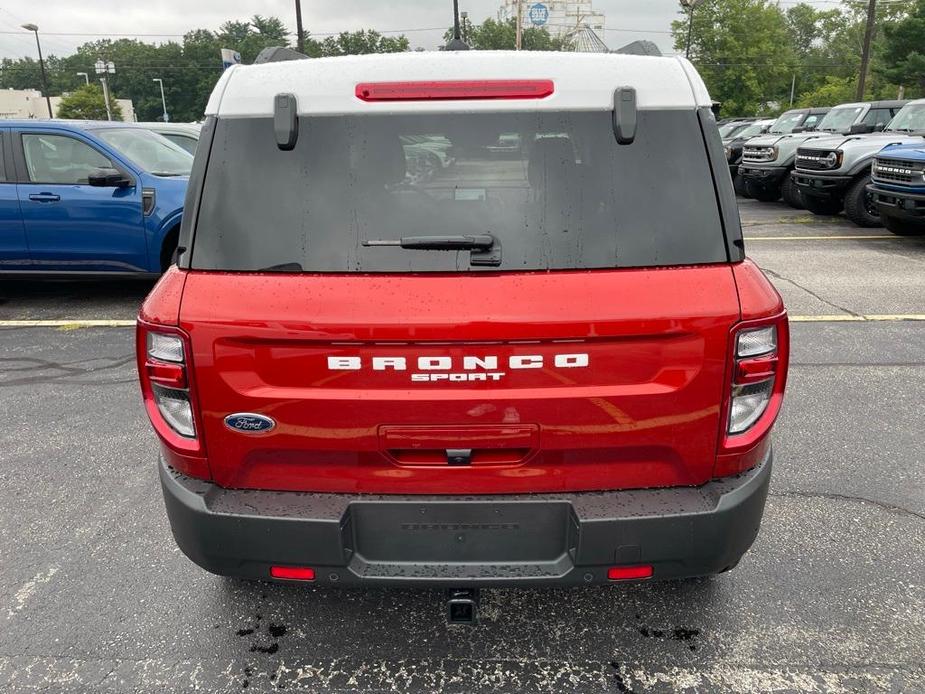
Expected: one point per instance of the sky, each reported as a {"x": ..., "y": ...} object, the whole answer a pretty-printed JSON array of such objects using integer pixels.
[{"x": 65, "y": 24}]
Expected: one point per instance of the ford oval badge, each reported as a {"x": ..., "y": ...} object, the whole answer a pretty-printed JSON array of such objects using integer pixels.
[{"x": 249, "y": 423}]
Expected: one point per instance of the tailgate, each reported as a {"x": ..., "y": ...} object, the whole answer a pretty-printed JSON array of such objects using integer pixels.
[{"x": 501, "y": 383}]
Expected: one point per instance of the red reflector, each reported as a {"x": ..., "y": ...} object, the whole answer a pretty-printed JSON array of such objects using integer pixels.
[
  {"x": 463, "y": 89},
  {"x": 293, "y": 573},
  {"x": 169, "y": 375},
  {"x": 626, "y": 573}
]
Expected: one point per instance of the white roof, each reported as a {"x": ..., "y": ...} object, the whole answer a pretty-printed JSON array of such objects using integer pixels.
[{"x": 583, "y": 81}]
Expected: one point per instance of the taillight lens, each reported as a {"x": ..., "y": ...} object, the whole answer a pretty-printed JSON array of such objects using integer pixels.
[
  {"x": 167, "y": 386},
  {"x": 753, "y": 376},
  {"x": 175, "y": 408},
  {"x": 757, "y": 376},
  {"x": 748, "y": 403}
]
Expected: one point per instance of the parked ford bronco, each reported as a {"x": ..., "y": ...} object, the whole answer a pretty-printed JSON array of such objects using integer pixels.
[
  {"x": 520, "y": 370},
  {"x": 834, "y": 172},
  {"x": 765, "y": 167},
  {"x": 898, "y": 187},
  {"x": 732, "y": 147},
  {"x": 768, "y": 162}
]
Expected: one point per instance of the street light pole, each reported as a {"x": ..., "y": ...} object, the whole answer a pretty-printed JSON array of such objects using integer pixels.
[
  {"x": 85, "y": 76},
  {"x": 163, "y": 100},
  {"x": 689, "y": 5},
  {"x": 35, "y": 30}
]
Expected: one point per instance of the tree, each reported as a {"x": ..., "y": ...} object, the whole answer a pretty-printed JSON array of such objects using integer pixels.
[
  {"x": 357, "y": 43},
  {"x": 743, "y": 50},
  {"x": 499, "y": 35},
  {"x": 86, "y": 103},
  {"x": 903, "y": 55}
]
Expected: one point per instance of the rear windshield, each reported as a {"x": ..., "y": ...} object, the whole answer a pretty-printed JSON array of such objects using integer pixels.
[{"x": 553, "y": 189}]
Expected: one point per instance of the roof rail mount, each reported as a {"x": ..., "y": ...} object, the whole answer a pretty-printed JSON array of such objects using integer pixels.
[
  {"x": 277, "y": 54},
  {"x": 286, "y": 121},
  {"x": 624, "y": 115}
]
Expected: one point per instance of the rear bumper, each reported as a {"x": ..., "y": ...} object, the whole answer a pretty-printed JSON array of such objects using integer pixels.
[
  {"x": 904, "y": 205},
  {"x": 523, "y": 540},
  {"x": 767, "y": 176},
  {"x": 821, "y": 185}
]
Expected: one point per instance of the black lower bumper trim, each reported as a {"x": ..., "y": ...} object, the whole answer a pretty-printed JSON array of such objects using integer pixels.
[
  {"x": 542, "y": 539},
  {"x": 821, "y": 186},
  {"x": 902, "y": 205},
  {"x": 764, "y": 175}
]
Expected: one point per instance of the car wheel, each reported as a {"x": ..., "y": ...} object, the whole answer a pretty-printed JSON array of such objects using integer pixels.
[
  {"x": 761, "y": 193},
  {"x": 791, "y": 193},
  {"x": 903, "y": 227},
  {"x": 860, "y": 207},
  {"x": 826, "y": 206},
  {"x": 739, "y": 184}
]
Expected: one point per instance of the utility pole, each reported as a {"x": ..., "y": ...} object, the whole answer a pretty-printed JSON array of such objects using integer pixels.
[
  {"x": 104, "y": 68},
  {"x": 300, "y": 35},
  {"x": 520, "y": 26},
  {"x": 865, "y": 52},
  {"x": 793, "y": 85}
]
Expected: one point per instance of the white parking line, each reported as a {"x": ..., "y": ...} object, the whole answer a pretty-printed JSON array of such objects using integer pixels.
[
  {"x": 72, "y": 323},
  {"x": 856, "y": 318},
  {"x": 749, "y": 239}
]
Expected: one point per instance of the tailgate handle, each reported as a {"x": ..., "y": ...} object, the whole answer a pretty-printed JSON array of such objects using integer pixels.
[{"x": 459, "y": 446}]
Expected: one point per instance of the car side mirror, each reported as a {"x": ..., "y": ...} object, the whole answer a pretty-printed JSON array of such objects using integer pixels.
[
  {"x": 860, "y": 129},
  {"x": 108, "y": 178},
  {"x": 764, "y": 129}
]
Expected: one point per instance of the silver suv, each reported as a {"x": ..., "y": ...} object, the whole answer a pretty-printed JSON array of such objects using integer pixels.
[
  {"x": 768, "y": 161},
  {"x": 833, "y": 172}
]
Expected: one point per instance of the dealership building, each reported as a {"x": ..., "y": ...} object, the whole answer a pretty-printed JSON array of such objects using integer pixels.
[{"x": 30, "y": 103}]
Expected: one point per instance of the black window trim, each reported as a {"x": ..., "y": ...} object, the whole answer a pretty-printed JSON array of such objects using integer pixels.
[
  {"x": 728, "y": 210},
  {"x": 22, "y": 170},
  {"x": 7, "y": 170}
]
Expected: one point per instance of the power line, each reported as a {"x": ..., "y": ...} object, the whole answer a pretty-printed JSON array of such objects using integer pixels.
[{"x": 330, "y": 33}]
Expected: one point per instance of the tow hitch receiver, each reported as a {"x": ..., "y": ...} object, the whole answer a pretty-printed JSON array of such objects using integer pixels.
[{"x": 462, "y": 605}]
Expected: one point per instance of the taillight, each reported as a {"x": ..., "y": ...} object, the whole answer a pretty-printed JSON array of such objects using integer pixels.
[
  {"x": 167, "y": 387},
  {"x": 755, "y": 389}
]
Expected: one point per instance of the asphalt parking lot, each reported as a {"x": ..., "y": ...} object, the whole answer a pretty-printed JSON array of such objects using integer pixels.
[{"x": 95, "y": 596}]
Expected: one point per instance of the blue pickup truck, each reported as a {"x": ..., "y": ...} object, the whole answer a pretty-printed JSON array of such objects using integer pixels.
[
  {"x": 88, "y": 198},
  {"x": 898, "y": 187}
]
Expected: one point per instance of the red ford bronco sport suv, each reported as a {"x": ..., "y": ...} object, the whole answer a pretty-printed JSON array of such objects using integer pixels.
[{"x": 463, "y": 319}]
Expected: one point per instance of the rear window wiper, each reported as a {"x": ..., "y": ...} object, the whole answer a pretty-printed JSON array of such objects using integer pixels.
[
  {"x": 478, "y": 242},
  {"x": 486, "y": 250}
]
